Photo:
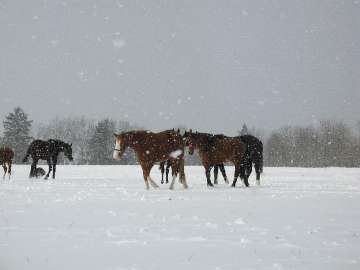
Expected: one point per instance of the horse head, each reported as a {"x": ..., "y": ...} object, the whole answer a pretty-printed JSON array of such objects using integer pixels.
[
  {"x": 68, "y": 151},
  {"x": 190, "y": 141},
  {"x": 121, "y": 143}
]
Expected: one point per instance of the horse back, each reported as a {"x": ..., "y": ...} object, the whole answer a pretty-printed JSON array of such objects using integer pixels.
[
  {"x": 254, "y": 145},
  {"x": 223, "y": 149},
  {"x": 158, "y": 146},
  {"x": 39, "y": 149}
]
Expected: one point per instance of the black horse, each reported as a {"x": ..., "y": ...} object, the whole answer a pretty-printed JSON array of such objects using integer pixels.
[
  {"x": 164, "y": 167},
  {"x": 223, "y": 172},
  {"x": 49, "y": 151},
  {"x": 253, "y": 156}
]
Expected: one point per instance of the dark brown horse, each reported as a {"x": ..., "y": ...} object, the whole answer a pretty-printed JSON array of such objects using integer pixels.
[
  {"x": 253, "y": 156},
  {"x": 6, "y": 156},
  {"x": 216, "y": 149},
  {"x": 151, "y": 148}
]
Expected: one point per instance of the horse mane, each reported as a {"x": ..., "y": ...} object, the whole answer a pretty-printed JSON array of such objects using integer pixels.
[{"x": 58, "y": 142}]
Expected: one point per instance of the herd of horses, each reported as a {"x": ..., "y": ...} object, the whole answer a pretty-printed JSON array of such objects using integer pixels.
[{"x": 167, "y": 148}]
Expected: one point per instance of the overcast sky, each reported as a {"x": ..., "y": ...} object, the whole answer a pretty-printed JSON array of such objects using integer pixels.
[{"x": 209, "y": 65}]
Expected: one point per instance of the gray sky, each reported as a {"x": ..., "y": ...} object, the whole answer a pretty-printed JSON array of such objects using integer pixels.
[{"x": 209, "y": 65}]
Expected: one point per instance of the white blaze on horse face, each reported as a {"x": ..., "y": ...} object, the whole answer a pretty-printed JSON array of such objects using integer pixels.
[
  {"x": 116, "y": 153},
  {"x": 176, "y": 153}
]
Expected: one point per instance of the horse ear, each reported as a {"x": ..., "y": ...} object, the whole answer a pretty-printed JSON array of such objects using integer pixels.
[
  {"x": 115, "y": 135},
  {"x": 70, "y": 144}
]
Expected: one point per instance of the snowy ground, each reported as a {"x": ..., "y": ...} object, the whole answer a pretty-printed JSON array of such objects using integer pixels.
[{"x": 101, "y": 217}]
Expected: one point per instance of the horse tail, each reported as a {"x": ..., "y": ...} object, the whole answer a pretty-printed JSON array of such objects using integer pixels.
[
  {"x": 28, "y": 152},
  {"x": 261, "y": 163},
  {"x": 261, "y": 159}
]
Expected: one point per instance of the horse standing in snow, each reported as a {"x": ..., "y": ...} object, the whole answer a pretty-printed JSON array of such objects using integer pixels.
[
  {"x": 217, "y": 149},
  {"x": 253, "y": 156},
  {"x": 151, "y": 148},
  {"x": 6, "y": 156},
  {"x": 49, "y": 151}
]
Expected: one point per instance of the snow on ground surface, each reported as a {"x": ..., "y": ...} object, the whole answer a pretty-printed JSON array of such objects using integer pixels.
[{"x": 101, "y": 217}]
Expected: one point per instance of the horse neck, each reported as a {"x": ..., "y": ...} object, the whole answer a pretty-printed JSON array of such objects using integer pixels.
[
  {"x": 59, "y": 146},
  {"x": 201, "y": 142},
  {"x": 130, "y": 139}
]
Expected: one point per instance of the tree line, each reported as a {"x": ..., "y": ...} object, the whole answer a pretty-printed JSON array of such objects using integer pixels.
[
  {"x": 92, "y": 140},
  {"x": 331, "y": 143}
]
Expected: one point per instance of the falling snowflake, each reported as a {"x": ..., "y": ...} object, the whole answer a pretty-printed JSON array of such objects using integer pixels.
[{"x": 118, "y": 43}]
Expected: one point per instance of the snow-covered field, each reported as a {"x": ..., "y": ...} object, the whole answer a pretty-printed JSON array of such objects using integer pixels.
[{"x": 101, "y": 217}]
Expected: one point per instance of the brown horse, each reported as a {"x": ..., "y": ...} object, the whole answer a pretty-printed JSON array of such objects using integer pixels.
[
  {"x": 151, "y": 148},
  {"x": 216, "y": 149},
  {"x": 6, "y": 156}
]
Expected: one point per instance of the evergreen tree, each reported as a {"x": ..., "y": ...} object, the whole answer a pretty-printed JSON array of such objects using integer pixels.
[
  {"x": 16, "y": 132},
  {"x": 244, "y": 130},
  {"x": 101, "y": 144}
]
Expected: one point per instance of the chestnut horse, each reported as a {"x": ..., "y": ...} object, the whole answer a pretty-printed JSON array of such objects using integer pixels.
[
  {"x": 216, "y": 149},
  {"x": 151, "y": 148},
  {"x": 6, "y": 156}
]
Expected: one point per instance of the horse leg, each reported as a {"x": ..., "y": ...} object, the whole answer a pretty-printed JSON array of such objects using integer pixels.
[
  {"x": 247, "y": 173},
  {"x": 33, "y": 168},
  {"x": 152, "y": 183},
  {"x": 236, "y": 175},
  {"x": 54, "y": 167},
  {"x": 223, "y": 172},
  {"x": 175, "y": 168},
  {"x": 145, "y": 174},
  {"x": 216, "y": 172},
  {"x": 182, "y": 173},
  {"x": 147, "y": 178},
  {"x": 49, "y": 163},
  {"x": 258, "y": 171},
  {"x": 9, "y": 169},
  {"x": 161, "y": 167},
  {"x": 174, "y": 175},
  {"x": 207, "y": 173},
  {"x": 5, "y": 169},
  {"x": 168, "y": 164}
]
